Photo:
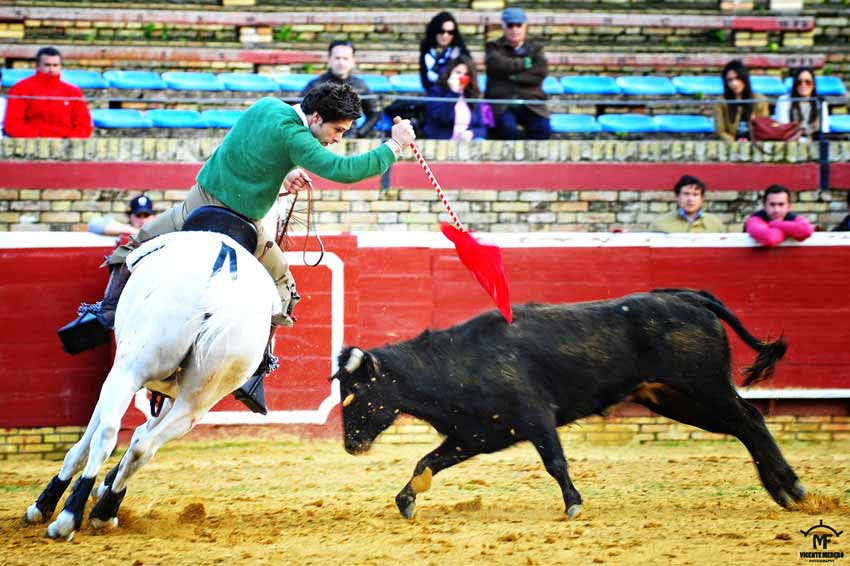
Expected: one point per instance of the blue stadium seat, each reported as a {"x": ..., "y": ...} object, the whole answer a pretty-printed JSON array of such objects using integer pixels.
[
  {"x": 407, "y": 82},
  {"x": 12, "y": 76},
  {"x": 767, "y": 85},
  {"x": 574, "y": 124},
  {"x": 684, "y": 124},
  {"x": 221, "y": 118},
  {"x": 144, "y": 80},
  {"x": 182, "y": 80},
  {"x": 646, "y": 86},
  {"x": 482, "y": 83},
  {"x": 84, "y": 79},
  {"x": 248, "y": 82},
  {"x": 376, "y": 83},
  {"x": 551, "y": 85},
  {"x": 627, "y": 123},
  {"x": 589, "y": 84},
  {"x": 177, "y": 119},
  {"x": 709, "y": 85},
  {"x": 826, "y": 85},
  {"x": 293, "y": 82},
  {"x": 839, "y": 123},
  {"x": 120, "y": 118},
  {"x": 359, "y": 121},
  {"x": 384, "y": 123}
]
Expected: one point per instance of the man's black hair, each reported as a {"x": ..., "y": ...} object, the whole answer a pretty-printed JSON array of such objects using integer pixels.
[
  {"x": 46, "y": 52},
  {"x": 775, "y": 190},
  {"x": 344, "y": 43},
  {"x": 686, "y": 180},
  {"x": 333, "y": 102}
]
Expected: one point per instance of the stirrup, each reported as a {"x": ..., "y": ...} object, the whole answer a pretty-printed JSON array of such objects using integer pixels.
[
  {"x": 85, "y": 332},
  {"x": 252, "y": 393}
]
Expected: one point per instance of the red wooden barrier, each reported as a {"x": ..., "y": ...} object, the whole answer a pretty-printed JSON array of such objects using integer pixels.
[{"x": 375, "y": 289}]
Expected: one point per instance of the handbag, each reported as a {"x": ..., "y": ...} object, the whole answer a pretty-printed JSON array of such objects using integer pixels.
[{"x": 768, "y": 129}]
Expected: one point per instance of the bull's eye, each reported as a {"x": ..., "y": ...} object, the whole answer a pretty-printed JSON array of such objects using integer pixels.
[{"x": 347, "y": 401}]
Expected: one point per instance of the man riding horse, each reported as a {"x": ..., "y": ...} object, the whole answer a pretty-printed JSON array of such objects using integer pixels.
[{"x": 266, "y": 147}]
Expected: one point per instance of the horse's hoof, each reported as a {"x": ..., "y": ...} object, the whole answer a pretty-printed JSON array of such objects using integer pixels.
[
  {"x": 106, "y": 525},
  {"x": 573, "y": 510},
  {"x": 62, "y": 528},
  {"x": 798, "y": 492},
  {"x": 33, "y": 515},
  {"x": 408, "y": 511}
]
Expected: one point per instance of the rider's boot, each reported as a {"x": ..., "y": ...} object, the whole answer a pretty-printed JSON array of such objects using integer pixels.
[{"x": 93, "y": 325}]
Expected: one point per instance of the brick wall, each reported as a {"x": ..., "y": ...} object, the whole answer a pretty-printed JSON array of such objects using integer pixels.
[
  {"x": 410, "y": 209},
  {"x": 48, "y": 442},
  {"x": 51, "y": 443}
]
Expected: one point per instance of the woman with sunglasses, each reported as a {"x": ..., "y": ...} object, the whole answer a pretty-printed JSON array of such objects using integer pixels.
[
  {"x": 732, "y": 119},
  {"x": 790, "y": 107},
  {"x": 443, "y": 42}
]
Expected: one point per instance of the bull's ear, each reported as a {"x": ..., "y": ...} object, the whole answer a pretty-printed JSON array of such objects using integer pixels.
[{"x": 373, "y": 366}]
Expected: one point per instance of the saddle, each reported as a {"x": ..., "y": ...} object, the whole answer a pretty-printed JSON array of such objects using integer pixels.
[{"x": 223, "y": 221}]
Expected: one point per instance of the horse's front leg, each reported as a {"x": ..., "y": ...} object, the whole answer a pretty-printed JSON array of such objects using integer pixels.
[
  {"x": 104, "y": 513},
  {"x": 174, "y": 421},
  {"x": 115, "y": 396},
  {"x": 43, "y": 508}
]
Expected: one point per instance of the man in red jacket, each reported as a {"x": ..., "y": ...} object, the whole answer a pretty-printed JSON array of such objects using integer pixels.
[{"x": 63, "y": 115}]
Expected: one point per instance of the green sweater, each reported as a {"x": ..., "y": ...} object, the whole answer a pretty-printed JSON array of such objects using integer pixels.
[{"x": 269, "y": 140}]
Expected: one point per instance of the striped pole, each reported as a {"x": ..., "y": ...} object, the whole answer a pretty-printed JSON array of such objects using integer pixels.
[{"x": 437, "y": 187}]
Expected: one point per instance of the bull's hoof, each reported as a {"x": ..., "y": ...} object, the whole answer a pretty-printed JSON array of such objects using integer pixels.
[
  {"x": 33, "y": 515},
  {"x": 783, "y": 499},
  {"x": 100, "y": 524},
  {"x": 408, "y": 511},
  {"x": 573, "y": 510},
  {"x": 62, "y": 528},
  {"x": 798, "y": 492}
]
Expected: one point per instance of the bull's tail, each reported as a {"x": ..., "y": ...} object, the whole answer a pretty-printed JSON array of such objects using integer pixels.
[{"x": 768, "y": 352}]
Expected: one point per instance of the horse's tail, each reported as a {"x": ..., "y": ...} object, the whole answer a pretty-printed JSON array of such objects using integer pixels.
[
  {"x": 220, "y": 314},
  {"x": 768, "y": 352}
]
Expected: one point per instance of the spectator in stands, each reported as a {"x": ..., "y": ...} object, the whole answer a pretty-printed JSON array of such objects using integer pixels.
[
  {"x": 443, "y": 42},
  {"x": 773, "y": 223},
  {"x": 460, "y": 120},
  {"x": 732, "y": 119},
  {"x": 805, "y": 112},
  {"x": 140, "y": 213},
  {"x": 516, "y": 68},
  {"x": 689, "y": 215},
  {"x": 64, "y": 116},
  {"x": 844, "y": 225},
  {"x": 341, "y": 65}
]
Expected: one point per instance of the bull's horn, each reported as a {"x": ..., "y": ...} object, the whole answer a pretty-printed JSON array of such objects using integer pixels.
[{"x": 354, "y": 359}]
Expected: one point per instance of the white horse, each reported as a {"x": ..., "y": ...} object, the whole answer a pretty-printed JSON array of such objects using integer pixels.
[{"x": 193, "y": 324}]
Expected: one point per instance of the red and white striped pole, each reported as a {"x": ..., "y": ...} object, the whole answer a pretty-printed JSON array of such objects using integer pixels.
[{"x": 437, "y": 187}]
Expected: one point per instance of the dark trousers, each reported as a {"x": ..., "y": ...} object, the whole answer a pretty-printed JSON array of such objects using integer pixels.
[{"x": 536, "y": 127}]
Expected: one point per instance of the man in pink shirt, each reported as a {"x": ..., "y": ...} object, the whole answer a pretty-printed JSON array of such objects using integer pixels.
[{"x": 772, "y": 224}]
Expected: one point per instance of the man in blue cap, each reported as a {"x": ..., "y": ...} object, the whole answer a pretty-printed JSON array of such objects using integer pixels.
[
  {"x": 140, "y": 213},
  {"x": 516, "y": 68}
]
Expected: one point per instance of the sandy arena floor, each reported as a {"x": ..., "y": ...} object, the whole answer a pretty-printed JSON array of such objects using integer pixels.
[{"x": 279, "y": 501}]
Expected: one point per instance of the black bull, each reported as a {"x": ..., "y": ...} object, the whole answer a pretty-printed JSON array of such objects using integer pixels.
[{"x": 486, "y": 385}]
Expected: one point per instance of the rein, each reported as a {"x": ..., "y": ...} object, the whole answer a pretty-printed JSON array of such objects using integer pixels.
[{"x": 283, "y": 239}]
